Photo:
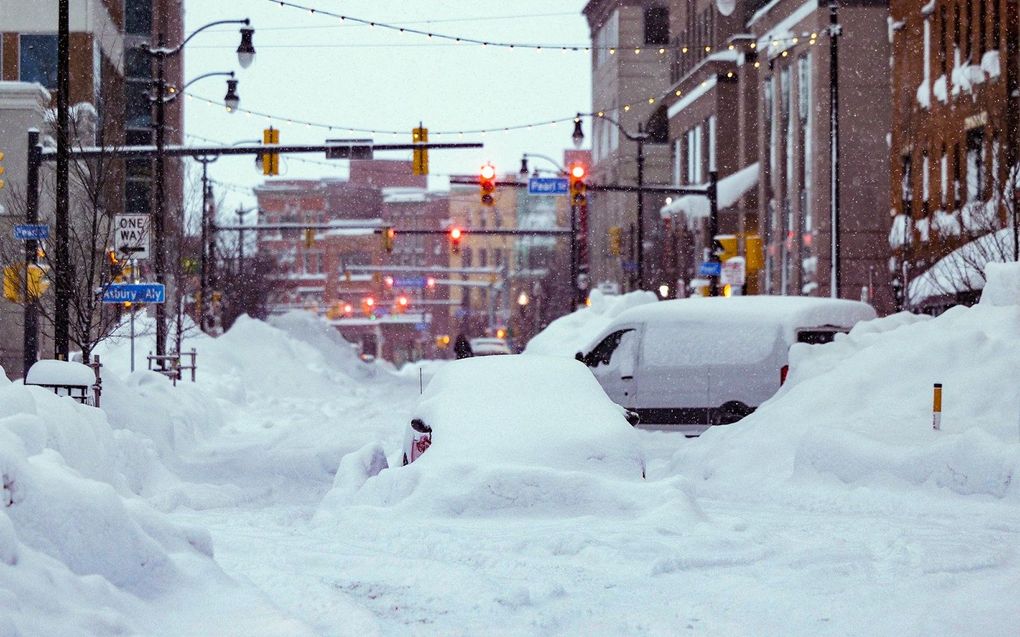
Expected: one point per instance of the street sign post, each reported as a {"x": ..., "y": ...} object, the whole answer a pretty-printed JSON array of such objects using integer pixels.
[
  {"x": 548, "y": 186},
  {"x": 710, "y": 268},
  {"x": 29, "y": 232},
  {"x": 131, "y": 236},
  {"x": 134, "y": 293},
  {"x": 734, "y": 272}
]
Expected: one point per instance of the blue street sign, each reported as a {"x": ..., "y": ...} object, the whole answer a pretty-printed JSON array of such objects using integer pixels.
[
  {"x": 26, "y": 232},
  {"x": 421, "y": 327},
  {"x": 409, "y": 281},
  {"x": 629, "y": 266},
  {"x": 134, "y": 293},
  {"x": 710, "y": 268},
  {"x": 548, "y": 186}
]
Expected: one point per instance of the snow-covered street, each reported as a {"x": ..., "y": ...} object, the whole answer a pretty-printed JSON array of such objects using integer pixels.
[{"x": 247, "y": 503}]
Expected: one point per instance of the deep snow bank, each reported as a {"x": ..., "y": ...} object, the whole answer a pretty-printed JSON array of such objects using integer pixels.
[
  {"x": 77, "y": 549},
  {"x": 572, "y": 333},
  {"x": 858, "y": 411}
]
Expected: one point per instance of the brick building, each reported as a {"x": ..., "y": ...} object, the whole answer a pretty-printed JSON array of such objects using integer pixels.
[
  {"x": 344, "y": 272},
  {"x": 954, "y": 142}
]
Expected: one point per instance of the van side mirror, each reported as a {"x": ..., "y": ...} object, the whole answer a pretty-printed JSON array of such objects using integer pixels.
[{"x": 579, "y": 356}]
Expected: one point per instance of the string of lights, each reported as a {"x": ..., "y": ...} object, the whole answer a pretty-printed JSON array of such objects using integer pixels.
[
  {"x": 778, "y": 47},
  {"x": 655, "y": 49}
]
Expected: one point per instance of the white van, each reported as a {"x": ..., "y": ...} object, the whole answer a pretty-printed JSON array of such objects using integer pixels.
[{"x": 687, "y": 364}]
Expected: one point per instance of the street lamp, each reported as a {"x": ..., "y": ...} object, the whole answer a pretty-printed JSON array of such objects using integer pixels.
[
  {"x": 245, "y": 57},
  {"x": 640, "y": 138},
  {"x": 524, "y": 163}
]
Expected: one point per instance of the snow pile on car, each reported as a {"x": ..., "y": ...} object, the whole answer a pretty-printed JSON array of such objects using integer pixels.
[
  {"x": 858, "y": 411},
  {"x": 574, "y": 332},
  {"x": 515, "y": 435}
]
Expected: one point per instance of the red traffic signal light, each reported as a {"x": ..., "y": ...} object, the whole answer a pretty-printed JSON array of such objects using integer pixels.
[
  {"x": 402, "y": 303},
  {"x": 388, "y": 235},
  {"x": 578, "y": 186},
  {"x": 487, "y": 182},
  {"x": 455, "y": 236}
]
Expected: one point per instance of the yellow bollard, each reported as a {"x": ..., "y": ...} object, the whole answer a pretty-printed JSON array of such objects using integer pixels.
[{"x": 936, "y": 408}]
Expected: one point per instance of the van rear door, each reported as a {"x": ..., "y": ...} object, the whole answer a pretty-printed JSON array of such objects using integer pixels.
[{"x": 673, "y": 375}]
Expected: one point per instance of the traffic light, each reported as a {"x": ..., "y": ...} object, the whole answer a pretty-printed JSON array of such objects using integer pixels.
[
  {"x": 487, "y": 182},
  {"x": 578, "y": 187},
  {"x": 270, "y": 161},
  {"x": 2, "y": 169},
  {"x": 420, "y": 162},
  {"x": 455, "y": 236},
  {"x": 114, "y": 264},
  {"x": 388, "y": 235},
  {"x": 368, "y": 305},
  {"x": 615, "y": 241},
  {"x": 309, "y": 237},
  {"x": 401, "y": 304}
]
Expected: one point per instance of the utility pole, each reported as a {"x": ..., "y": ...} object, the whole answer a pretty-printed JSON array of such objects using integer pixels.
[
  {"x": 207, "y": 244},
  {"x": 62, "y": 293},
  {"x": 31, "y": 336},
  {"x": 834, "y": 33},
  {"x": 640, "y": 138}
]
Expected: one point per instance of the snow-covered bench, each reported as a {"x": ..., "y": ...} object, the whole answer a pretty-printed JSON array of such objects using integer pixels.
[{"x": 76, "y": 380}]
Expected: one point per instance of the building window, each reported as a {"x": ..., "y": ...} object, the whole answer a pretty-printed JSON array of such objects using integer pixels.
[
  {"x": 982, "y": 30},
  {"x": 607, "y": 38},
  {"x": 138, "y": 17},
  {"x": 944, "y": 176},
  {"x": 136, "y": 196},
  {"x": 711, "y": 143},
  {"x": 943, "y": 54},
  {"x": 39, "y": 60},
  {"x": 925, "y": 182},
  {"x": 956, "y": 26},
  {"x": 137, "y": 65},
  {"x": 968, "y": 43},
  {"x": 996, "y": 16},
  {"x": 657, "y": 25},
  {"x": 956, "y": 176},
  {"x": 677, "y": 161},
  {"x": 483, "y": 258},
  {"x": 694, "y": 155},
  {"x": 975, "y": 165},
  {"x": 137, "y": 109},
  {"x": 906, "y": 188}
]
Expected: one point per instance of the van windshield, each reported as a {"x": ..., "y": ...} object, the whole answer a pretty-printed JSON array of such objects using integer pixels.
[{"x": 670, "y": 345}]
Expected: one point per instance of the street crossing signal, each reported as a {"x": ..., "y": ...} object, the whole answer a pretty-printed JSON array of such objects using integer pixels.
[
  {"x": 615, "y": 241},
  {"x": 2, "y": 169},
  {"x": 487, "y": 182},
  {"x": 270, "y": 161},
  {"x": 388, "y": 235},
  {"x": 578, "y": 187},
  {"x": 455, "y": 236},
  {"x": 420, "y": 162}
]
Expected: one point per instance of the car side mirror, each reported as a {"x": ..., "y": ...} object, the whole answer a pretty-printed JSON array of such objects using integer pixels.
[
  {"x": 633, "y": 418},
  {"x": 419, "y": 425},
  {"x": 579, "y": 356}
]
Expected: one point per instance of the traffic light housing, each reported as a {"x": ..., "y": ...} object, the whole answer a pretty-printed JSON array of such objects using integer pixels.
[
  {"x": 309, "y": 237},
  {"x": 578, "y": 186},
  {"x": 270, "y": 161},
  {"x": 455, "y": 235},
  {"x": 368, "y": 306},
  {"x": 402, "y": 304},
  {"x": 114, "y": 265},
  {"x": 388, "y": 235},
  {"x": 487, "y": 183},
  {"x": 2, "y": 169},
  {"x": 615, "y": 241},
  {"x": 420, "y": 162}
]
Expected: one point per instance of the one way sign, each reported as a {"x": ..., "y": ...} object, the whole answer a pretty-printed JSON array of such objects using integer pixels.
[{"x": 131, "y": 236}]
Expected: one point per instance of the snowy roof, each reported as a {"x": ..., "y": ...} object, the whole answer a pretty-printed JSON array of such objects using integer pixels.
[
  {"x": 789, "y": 312},
  {"x": 730, "y": 190},
  {"x": 962, "y": 270},
  {"x": 405, "y": 195}
]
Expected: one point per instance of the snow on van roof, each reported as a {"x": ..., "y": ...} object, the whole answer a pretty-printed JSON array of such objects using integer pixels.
[{"x": 789, "y": 312}]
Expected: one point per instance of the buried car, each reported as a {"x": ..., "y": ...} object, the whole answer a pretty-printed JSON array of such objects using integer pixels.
[{"x": 522, "y": 410}]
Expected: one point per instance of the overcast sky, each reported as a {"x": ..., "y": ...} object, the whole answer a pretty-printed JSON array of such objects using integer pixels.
[{"x": 313, "y": 67}]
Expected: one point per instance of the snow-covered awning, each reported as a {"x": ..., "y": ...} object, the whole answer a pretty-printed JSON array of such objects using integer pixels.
[{"x": 730, "y": 190}]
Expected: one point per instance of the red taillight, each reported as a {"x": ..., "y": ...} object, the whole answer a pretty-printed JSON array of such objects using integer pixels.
[{"x": 782, "y": 374}]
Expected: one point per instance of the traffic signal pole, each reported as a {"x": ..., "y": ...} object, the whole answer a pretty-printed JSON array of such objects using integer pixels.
[{"x": 31, "y": 334}]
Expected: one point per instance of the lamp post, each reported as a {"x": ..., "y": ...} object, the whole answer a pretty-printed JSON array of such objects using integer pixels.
[
  {"x": 639, "y": 138},
  {"x": 245, "y": 56},
  {"x": 524, "y": 163}
]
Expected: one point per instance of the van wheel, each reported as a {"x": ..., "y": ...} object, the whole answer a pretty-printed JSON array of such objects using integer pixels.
[{"x": 730, "y": 413}]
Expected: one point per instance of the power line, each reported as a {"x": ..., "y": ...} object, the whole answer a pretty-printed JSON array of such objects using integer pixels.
[{"x": 518, "y": 16}]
